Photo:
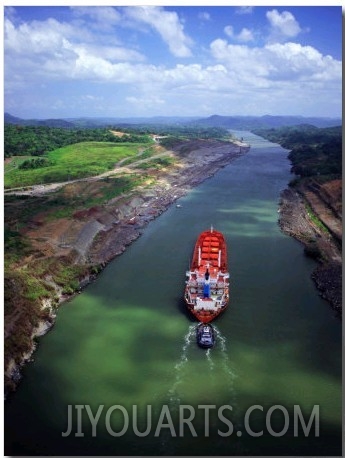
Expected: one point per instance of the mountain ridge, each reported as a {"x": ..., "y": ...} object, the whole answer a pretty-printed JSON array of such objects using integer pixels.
[{"x": 229, "y": 122}]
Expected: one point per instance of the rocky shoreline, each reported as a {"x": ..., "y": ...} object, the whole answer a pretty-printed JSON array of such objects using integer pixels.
[
  {"x": 318, "y": 244},
  {"x": 150, "y": 204}
]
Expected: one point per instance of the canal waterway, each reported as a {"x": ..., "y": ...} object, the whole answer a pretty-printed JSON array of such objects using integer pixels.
[{"x": 127, "y": 343}]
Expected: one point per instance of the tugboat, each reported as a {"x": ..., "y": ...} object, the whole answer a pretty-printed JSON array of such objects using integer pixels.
[
  {"x": 207, "y": 286},
  {"x": 205, "y": 335}
]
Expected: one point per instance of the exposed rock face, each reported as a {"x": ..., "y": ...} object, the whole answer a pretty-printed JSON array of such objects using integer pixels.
[
  {"x": 322, "y": 241},
  {"x": 328, "y": 279}
]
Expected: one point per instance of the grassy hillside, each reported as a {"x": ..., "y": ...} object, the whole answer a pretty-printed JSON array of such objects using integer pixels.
[{"x": 70, "y": 162}]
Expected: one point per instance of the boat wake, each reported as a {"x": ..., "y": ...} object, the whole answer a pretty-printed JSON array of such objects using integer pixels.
[
  {"x": 188, "y": 339},
  {"x": 209, "y": 359},
  {"x": 167, "y": 445},
  {"x": 225, "y": 364},
  {"x": 217, "y": 359},
  {"x": 215, "y": 368}
]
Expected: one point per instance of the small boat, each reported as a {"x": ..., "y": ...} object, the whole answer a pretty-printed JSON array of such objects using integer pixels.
[
  {"x": 207, "y": 285},
  {"x": 205, "y": 335}
]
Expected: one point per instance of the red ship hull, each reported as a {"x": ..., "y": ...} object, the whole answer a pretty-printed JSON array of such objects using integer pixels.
[{"x": 207, "y": 285}]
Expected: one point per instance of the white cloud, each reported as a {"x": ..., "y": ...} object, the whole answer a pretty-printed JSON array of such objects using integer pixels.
[
  {"x": 204, "y": 16},
  {"x": 229, "y": 31},
  {"x": 295, "y": 61},
  {"x": 236, "y": 76},
  {"x": 283, "y": 26},
  {"x": 244, "y": 10},
  {"x": 290, "y": 62},
  {"x": 57, "y": 50},
  {"x": 100, "y": 19},
  {"x": 35, "y": 38},
  {"x": 244, "y": 36},
  {"x": 109, "y": 53},
  {"x": 148, "y": 100},
  {"x": 100, "y": 14},
  {"x": 167, "y": 24},
  {"x": 49, "y": 49}
]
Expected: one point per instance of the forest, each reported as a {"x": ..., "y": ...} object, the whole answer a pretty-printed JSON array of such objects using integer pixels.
[
  {"x": 313, "y": 151},
  {"x": 38, "y": 140}
]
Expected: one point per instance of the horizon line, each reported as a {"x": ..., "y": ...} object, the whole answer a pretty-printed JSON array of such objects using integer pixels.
[{"x": 174, "y": 116}]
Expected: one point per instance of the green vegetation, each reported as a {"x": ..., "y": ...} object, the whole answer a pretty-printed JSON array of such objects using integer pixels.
[
  {"x": 71, "y": 162},
  {"x": 15, "y": 162},
  {"x": 68, "y": 154},
  {"x": 22, "y": 302},
  {"x": 157, "y": 163},
  {"x": 315, "y": 219},
  {"x": 144, "y": 155},
  {"x": 315, "y": 152},
  {"x": 180, "y": 131},
  {"x": 39, "y": 140},
  {"x": 114, "y": 186},
  {"x": 89, "y": 195},
  {"x": 65, "y": 202},
  {"x": 30, "y": 164},
  {"x": 15, "y": 245}
]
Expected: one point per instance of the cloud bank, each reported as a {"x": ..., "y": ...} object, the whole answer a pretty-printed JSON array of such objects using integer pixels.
[{"x": 235, "y": 72}]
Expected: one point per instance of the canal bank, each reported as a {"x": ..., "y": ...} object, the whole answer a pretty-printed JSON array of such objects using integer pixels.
[{"x": 127, "y": 339}]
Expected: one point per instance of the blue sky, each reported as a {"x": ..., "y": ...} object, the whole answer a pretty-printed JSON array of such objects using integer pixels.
[{"x": 172, "y": 61}]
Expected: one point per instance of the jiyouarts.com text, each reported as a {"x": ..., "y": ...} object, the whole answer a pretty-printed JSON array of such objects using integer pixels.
[{"x": 198, "y": 421}]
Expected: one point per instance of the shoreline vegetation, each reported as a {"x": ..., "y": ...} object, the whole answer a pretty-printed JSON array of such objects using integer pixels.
[{"x": 60, "y": 236}]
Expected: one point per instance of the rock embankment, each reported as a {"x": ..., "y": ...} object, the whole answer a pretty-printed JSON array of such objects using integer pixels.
[
  {"x": 311, "y": 214},
  {"x": 202, "y": 161}
]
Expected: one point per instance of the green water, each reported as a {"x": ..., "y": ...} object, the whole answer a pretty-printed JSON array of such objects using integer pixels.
[{"x": 127, "y": 339}]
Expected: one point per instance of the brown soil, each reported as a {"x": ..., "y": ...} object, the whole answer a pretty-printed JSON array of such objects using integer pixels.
[{"x": 117, "y": 134}]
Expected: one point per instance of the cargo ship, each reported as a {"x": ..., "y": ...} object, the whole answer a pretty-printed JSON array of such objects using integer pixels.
[{"x": 207, "y": 285}]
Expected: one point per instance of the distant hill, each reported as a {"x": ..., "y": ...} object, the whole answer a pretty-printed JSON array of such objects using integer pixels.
[
  {"x": 9, "y": 119},
  {"x": 227, "y": 122},
  {"x": 161, "y": 120},
  {"x": 264, "y": 122},
  {"x": 99, "y": 122}
]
